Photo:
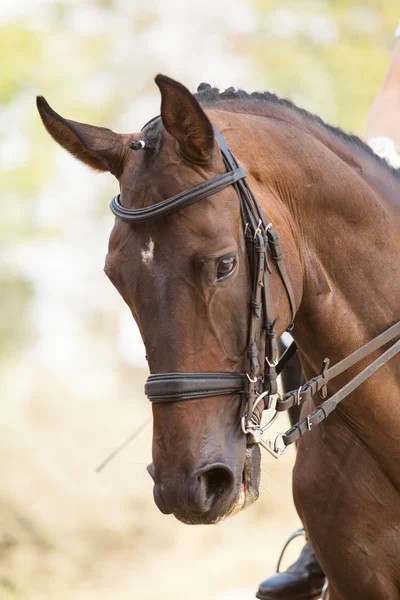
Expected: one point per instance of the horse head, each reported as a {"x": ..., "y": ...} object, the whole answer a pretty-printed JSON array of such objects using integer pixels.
[{"x": 187, "y": 282}]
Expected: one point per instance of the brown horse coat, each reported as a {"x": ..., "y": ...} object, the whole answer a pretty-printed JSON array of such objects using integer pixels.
[{"x": 336, "y": 207}]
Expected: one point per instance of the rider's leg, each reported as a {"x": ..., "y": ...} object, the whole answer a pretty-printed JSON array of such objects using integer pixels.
[{"x": 303, "y": 580}]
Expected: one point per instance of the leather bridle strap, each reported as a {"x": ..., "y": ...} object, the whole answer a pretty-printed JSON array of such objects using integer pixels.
[
  {"x": 259, "y": 381},
  {"x": 261, "y": 238},
  {"x": 277, "y": 257},
  {"x": 171, "y": 205},
  {"x": 320, "y": 382},
  {"x": 173, "y": 387},
  {"x": 324, "y": 410}
]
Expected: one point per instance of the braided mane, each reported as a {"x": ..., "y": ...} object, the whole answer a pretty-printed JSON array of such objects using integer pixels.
[{"x": 209, "y": 96}]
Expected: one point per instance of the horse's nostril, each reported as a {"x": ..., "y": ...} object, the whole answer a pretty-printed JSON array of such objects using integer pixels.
[
  {"x": 210, "y": 485},
  {"x": 209, "y": 488},
  {"x": 218, "y": 480}
]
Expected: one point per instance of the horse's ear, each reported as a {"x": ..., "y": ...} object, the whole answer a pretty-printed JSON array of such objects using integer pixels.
[
  {"x": 95, "y": 146},
  {"x": 185, "y": 120}
]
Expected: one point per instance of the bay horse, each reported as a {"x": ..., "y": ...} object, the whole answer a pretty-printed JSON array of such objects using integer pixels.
[{"x": 187, "y": 281}]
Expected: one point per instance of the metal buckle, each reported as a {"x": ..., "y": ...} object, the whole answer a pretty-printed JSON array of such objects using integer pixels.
[
  {"x": 309, "y": 424},
  {"x": 258, "y": 230},
  {"x": 298, "y": 399},
  {"x": 250, "y": 379},
  {"x": 272, "y": 364}
]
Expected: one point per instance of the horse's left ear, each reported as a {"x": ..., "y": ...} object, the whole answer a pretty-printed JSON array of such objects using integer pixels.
[{"x": 185, "y": 120}]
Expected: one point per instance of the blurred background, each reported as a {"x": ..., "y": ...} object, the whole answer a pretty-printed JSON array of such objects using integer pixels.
[{"x": 72, "y": 363}]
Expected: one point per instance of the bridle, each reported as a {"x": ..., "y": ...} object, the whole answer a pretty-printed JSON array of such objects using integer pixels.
[{"x": 258, "y": 383}]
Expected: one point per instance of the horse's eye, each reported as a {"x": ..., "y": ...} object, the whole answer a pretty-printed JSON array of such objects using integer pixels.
[{"x": 226, "y": 266}]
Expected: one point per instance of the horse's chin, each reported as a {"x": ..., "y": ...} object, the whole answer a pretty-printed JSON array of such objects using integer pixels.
[{"x": 248, "y": 492}]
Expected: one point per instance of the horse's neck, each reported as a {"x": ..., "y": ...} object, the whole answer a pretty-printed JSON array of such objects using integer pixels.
[
  {"x": 337, "y": 205},
  {"x": 348, "y": 236},
  {"x": 350, "y": 243}
]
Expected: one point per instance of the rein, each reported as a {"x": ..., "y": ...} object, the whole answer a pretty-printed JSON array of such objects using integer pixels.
[{"x": 259, "y": 382}]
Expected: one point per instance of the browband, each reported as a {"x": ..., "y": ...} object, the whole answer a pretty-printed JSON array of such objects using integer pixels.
[{"x": 181, "y": 200}]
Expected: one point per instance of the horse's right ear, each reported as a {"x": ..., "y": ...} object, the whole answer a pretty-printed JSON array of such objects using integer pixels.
[{"x": 98, "y": 147}]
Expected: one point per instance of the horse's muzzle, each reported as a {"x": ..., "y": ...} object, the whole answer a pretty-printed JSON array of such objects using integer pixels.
[{"x": 204, "y": 497}]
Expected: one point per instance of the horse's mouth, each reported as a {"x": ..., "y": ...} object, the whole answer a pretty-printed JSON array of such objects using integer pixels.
[{"x": 249, "y": 488}]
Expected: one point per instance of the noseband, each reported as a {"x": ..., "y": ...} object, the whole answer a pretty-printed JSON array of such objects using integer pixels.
[{"x": 259, "y": 382}]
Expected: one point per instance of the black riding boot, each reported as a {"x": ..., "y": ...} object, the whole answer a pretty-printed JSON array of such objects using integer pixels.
[{"x": 303, "y": 580}]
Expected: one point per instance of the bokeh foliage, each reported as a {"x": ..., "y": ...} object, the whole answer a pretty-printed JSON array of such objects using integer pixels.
[{"x": 329, "y": 56}]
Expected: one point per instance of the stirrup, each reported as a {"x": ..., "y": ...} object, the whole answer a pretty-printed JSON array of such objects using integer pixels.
[
  {"x": 300, "y": 531},
  {"x": 324, "y": 589},
  {"x": 295, "y": 534}
]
